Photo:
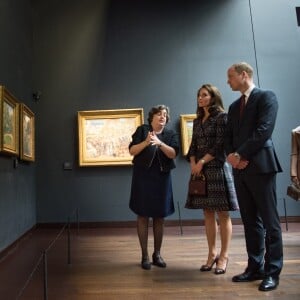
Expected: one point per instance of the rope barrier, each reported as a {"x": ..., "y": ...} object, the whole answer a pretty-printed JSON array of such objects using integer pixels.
[
  {"x": 43, "y": 257},
  {"x": 57, "y": 237},
  {"x": 30, "y": 276}
]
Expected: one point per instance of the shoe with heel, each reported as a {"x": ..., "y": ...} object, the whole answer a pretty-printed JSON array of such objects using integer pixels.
[
  {"x": 207, "y": 267},
  {"x": 158, "y": 261},
  {"x": 145, "y": 263},
  {"x": 222, "y": 270}
]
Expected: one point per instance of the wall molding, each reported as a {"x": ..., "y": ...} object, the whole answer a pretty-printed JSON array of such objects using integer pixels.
[
  {"x": 118, "y": 224},
  {"x": 130, "y": 224},
  {"x": 16, "y": 244}
]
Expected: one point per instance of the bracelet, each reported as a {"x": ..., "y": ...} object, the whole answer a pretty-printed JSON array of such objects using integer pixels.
[
  {"x": 161, "y": 143},
  {"x": 202, "y": 161}
]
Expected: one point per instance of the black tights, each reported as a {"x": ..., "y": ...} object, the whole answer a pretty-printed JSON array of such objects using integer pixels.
[{"x": 142, "y": 230}]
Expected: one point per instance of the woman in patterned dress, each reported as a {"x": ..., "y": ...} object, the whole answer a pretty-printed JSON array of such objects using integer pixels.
[{"x": 206, "y": 154}]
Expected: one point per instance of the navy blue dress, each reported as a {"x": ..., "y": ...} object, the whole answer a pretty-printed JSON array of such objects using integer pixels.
[{"x": 151, "y": 187}]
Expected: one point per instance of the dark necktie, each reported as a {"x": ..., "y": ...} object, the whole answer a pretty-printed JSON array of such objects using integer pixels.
[{"x": 242, "y": 105}]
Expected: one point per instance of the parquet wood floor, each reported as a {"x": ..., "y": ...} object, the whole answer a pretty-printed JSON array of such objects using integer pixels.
[{"x": 105, "y": 264}]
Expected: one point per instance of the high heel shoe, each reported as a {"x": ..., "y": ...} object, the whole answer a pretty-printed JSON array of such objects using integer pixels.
[
  {"x": 219, "y": 271},
  {"x": 207, "y": 267},
  {"x": 145, "y": 264},
  {"x": 157, "y": 260}
]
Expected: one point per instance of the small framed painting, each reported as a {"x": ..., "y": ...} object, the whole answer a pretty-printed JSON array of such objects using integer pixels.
[
  {"x": 186, "y": 125},
  {"x": 27, "y": 133},
  {"x": 9, "y": 123}
]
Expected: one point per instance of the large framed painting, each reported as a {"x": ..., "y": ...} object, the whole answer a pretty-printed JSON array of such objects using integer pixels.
[
  {"x": 9, "y": 123},
  {"x": 27, "y": 133},
  {"x": 104, "y": 136},
  {"x": 186, "y": 126}
]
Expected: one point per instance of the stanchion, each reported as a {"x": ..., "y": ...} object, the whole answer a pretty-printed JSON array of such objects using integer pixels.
[
  {"x": 69, "y": 242},
  {"x": 286, "y": 222},
  {"x": 45, "y": 275},
  {"x": 179, "y": 216},
  {"x": 77, "y": 220}
]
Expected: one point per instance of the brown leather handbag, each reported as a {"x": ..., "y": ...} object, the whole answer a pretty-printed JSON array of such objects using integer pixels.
[
  {"x": 293, "y": 191},
  {"x": 197, "y": 185}
]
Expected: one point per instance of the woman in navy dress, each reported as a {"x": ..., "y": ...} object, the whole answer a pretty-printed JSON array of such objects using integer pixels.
[
  {"x": 154, "y": 148},
  {"x": 207, "y": 155}
]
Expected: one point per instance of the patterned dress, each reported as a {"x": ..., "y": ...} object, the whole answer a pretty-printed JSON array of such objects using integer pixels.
[{"x": 208, "y": 137}]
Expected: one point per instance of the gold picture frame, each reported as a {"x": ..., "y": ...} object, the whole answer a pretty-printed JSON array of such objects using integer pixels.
[
  {"x": 186, "y": 126},
  {"x": 27, "y": 133},
  {"x": 9, "y": 123},
  {"x": 104, "y": 136}
]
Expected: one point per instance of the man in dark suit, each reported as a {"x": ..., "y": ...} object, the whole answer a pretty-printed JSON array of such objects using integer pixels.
[{"x": 251, "y": 153}]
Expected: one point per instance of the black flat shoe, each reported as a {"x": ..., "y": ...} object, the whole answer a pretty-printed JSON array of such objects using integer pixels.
[
  {"x": 248, "y": 276},
  {"x": 157, "y": 260},
  {"x": 219, "y": 271},
  {"x": 145, "y": 264},
  {"x": 268, "y": 284},
  {"x": 206, "y": 267}
]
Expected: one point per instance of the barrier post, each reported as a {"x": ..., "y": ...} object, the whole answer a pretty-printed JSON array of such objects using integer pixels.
[
  {"x": 179, "y": 216},
  {"x": 77, "y": 220},
  {"x": 286, "y": 222},
  {"x": 45, "y": 275},
  {"x": 69, "y": 241}
]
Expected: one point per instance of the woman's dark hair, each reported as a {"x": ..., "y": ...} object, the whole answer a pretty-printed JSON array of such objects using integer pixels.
[
  {"x": 216, "y": 102},
  {"x": 156, "y": 109}
]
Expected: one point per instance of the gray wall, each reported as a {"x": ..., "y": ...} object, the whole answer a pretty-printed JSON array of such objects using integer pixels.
[
  {"x": 17, "y": 186},
  {"x": 125, "y": 54}
]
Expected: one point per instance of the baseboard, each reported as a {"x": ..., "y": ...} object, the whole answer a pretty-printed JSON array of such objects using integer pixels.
[
  {"x": 6, "y": 251},
  {"x": 118, "y": 224},
  {"x": 130, "y": 224}
]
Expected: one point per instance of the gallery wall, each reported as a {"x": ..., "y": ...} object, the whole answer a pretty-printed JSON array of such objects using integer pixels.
[
  {"x": 128, "y": 54},
  {"x": 17, "y": 180},
  {"x": 120, "y": 54}
]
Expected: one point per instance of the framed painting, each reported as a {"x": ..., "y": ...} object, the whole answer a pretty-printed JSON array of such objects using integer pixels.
[
  {"x": 104, "y": 136},
  {"x": 9, "y": 123},
  {"x": 27, "y": 133},
  {"x": 186, "y": 126}
]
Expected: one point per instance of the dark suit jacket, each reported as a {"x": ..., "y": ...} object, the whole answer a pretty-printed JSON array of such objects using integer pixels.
[{"x": 251, "y": 135}]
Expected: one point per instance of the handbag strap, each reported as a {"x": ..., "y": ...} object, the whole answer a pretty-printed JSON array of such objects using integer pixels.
[{"x": 201, "y": 176}]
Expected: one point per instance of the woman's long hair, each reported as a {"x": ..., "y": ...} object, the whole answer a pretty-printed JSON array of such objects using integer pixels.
[{"x": 216, "y": 102}]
